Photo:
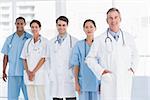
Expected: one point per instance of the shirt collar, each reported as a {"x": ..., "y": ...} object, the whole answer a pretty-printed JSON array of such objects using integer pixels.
[
  {"x": 62, "y": 37},
  {"x": 114, "y": 33}
]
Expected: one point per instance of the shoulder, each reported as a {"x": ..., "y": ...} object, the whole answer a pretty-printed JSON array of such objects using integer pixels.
[
  {"x": 53, "y": 39},
  {"x": 100, "y": 38},
  {"x": 128, "y": 35},
  {"x": 28, "y": 40},
  {"x": 28, "y": 35},
  {"x": 72, "y": 37},
  {"x": 10, "y": 36},
  {"x": 80, "y": 42},
  {"x": 44, "y": 39},
  {"x": 129, "y": 38}
]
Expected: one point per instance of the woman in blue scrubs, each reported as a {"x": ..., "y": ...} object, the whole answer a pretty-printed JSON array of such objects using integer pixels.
[{"x": 86, "y": 83}]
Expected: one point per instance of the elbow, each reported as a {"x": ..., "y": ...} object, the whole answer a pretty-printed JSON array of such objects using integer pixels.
[{"x": 5, "y": 59}]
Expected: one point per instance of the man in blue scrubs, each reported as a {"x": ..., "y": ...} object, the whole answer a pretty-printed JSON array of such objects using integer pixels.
[{"x": 12, "y": 49}]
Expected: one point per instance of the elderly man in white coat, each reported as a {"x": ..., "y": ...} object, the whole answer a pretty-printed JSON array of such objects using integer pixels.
[
  {"x": 61, "y": 75},
  {"x": 113, "y": 58}
]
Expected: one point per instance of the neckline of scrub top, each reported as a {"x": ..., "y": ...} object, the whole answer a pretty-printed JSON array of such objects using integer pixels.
[
  {"x": 37, "y": 42},
  {"x": 20, "y": 37}
]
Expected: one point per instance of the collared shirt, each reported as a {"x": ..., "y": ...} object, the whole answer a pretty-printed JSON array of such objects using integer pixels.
[
  {"x": 60, "y": 39},
  {"x": 115, "y": 34},
  {"x": 13, "y": 47}
]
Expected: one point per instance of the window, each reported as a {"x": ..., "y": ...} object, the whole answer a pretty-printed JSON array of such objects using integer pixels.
[
  {"x": 136, "y": 20},
  {"x": 79, "y": 11},
  {"x": 42, "y": 10}
]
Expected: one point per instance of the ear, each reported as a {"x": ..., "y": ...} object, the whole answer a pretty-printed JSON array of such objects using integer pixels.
[
  {"x": 83, "y": 29},
  {"x": 120, "y": 18},
  {"x": 107, "y": 20},
  {"x": 95, "y": 28}
]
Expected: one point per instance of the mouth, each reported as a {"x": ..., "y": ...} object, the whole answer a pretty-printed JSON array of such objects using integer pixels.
[{"x": 89, "y": 32}]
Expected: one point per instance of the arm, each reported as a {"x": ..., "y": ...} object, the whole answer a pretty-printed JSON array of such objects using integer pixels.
[
  {"x": 134, "y": 56},
  {"x": 92, "y": 59},
  {"x": 38, "y": 66},
  {"x": 76, "y": 73},
  {"x": 5, "y": 62},
  {"x": 5, "y": 51},
  {"x": 74, "y": 63},
  {"x": 26, "y": 69},
  {"x": 26, "y": 66}
]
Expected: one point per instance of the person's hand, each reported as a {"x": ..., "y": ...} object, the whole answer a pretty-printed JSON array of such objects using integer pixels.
[
  {"x": 28, "y": 73},
  {"x": 4, "y": 76},
  {"x": 31, "y": 76},
  {"x": 106, "y": 71},
  {"x": 131, "y": 70},
  {"x": 77, "y": 87}
]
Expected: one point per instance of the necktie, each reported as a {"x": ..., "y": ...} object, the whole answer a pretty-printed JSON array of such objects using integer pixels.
[
  {"x": 60, "y": 40},
  {"x": 116, "y": 37}
]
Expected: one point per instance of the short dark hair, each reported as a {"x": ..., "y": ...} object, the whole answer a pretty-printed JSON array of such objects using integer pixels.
[
  {"x": 21, "y": 18},
  {"x": 89, "y": 20},
  {"x": 35, "y": 21},
  {"x": 63, "y": 18},
  {"x": 113, "y": 9}
]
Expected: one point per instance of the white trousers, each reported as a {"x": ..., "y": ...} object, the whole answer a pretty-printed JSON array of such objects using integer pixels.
[{"x": 36, "y": 92}]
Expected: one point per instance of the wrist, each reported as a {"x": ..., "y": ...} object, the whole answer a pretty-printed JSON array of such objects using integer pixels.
[
  {"x": 4, "y": 71},
  {"x": 33, "y": 71}
]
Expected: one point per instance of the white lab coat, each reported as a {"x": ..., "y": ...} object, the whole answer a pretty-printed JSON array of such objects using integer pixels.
[
  {"x": 115, "y": 86},
  {"x": 33, "y": 52},
  {"x": 61, "y": 75}
]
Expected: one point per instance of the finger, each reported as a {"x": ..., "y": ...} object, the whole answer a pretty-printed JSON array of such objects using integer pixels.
[
  {"x": 78, "y": 92},
  {"x": 4, "y": 78}
]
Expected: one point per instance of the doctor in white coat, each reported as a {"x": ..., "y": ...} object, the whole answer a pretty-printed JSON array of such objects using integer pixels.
[
  {"x": 113, "y": 58},
  {"x": 61, "y": 74}
]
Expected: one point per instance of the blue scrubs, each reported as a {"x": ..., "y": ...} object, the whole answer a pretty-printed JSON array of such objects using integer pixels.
[
  {"x": 89, "y": 84},
  {"x": 13, "y": 47}
]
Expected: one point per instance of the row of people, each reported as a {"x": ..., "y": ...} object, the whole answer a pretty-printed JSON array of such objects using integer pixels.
[{"x": 69, "y": 65}]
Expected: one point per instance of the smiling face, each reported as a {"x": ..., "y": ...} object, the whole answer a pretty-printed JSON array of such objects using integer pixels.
[
  {"x": 61, "y": 26},
  {"x": 113, "y": 20},
  {"x": 89, "y": 28},
  {"x": 20, "y": 25},
  {"x": 35, "y": 28}
]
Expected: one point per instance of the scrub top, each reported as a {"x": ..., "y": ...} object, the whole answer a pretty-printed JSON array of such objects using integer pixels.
[
  {"x": 87, "y": 79},
  {"x": 13, "y": 47},
  {"x": 33, "y": 52}
]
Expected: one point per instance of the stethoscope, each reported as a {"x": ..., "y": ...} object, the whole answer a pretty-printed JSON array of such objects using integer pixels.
[
  {"x": 108, "y": 40},
  {"x": 25, "y": 37},
  {"x": 35, "y": 48},
  {"x": 70, "y": 44}
]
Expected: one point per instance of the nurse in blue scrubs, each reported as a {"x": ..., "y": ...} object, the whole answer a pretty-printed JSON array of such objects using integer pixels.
[
  {"x": 86, "y": 83},
  {"x": 12, "y": 49}
]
